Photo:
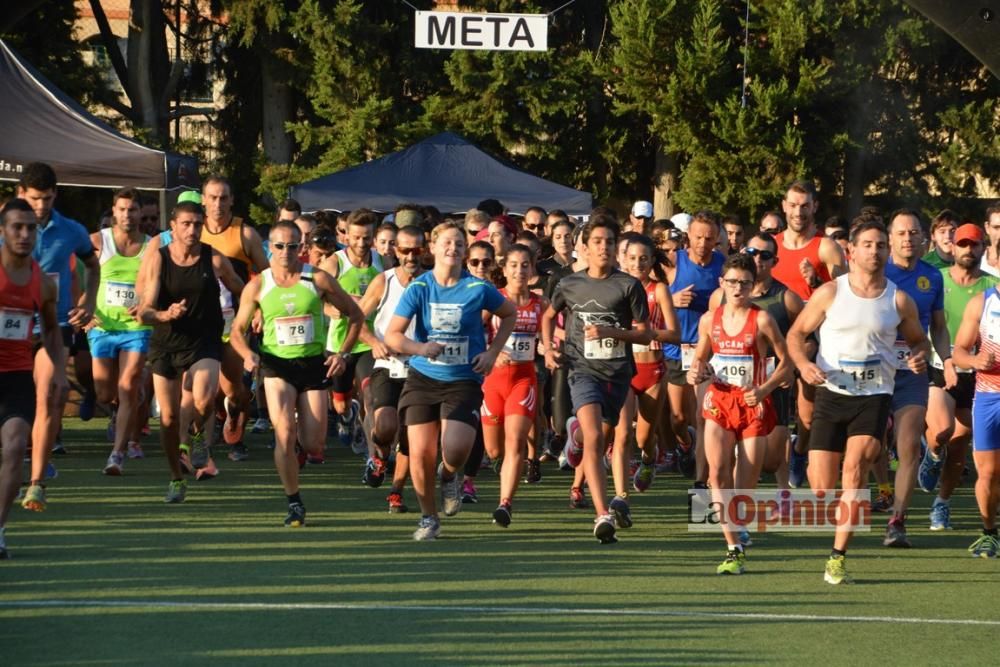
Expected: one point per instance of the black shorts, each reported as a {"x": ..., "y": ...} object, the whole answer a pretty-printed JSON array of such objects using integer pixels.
[
  {"x": 304, "y": 373},
  {"x": 426, "y": 400},
  {"x": 675, "y": 375},
  {"x": 17, "y": 396},
  {"x": 359, "y": 364},
  {"x": 781, "y": 400},
  {"x": 837, "y": 417},
  {"x": 66, "y": 331},
  {"x": 384, "y": 390},
  {"x": 963, "y": 392},
  {"x": 171, "y": 364}
]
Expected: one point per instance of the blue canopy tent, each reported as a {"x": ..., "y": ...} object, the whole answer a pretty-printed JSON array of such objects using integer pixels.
[{"x": 445, "y": 171}]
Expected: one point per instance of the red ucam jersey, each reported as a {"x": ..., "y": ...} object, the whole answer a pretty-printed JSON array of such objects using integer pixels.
[
  {"x": 738, "y": 361},
  {"x": 521, "y": 345},
  {"x": 656, "y": 321},
  {"x": 18, "y": 306}
]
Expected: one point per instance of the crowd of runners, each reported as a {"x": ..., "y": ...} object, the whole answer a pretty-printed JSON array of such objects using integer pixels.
[{"x": 825, "y": 354}]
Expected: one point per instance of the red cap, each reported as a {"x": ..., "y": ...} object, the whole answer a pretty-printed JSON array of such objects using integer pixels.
[{"x": 968, "y": 232}]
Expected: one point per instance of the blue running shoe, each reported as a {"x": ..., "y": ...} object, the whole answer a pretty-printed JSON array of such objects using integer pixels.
[
  {"x": 929, "y": 473},
  {"x": 797, "y": 468},
  {"x": 346, "y": 426},
  {"x": 50, "y": 471},
  {"x": 940, "y": 515}
]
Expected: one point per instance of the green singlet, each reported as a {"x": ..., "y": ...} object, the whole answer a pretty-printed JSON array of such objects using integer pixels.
[{"x": 293, "y": 317}]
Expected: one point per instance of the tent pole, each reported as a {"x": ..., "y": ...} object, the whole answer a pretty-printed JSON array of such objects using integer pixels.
[{"x": 163, "y": 209}]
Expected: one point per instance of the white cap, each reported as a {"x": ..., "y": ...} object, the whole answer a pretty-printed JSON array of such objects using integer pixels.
[
  {"x": 642, "y": 209},
  {"x": 681, "y": 221}
]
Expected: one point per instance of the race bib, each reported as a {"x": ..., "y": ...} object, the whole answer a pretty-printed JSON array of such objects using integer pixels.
[
  {"x": 603, "y": 348},
  {"x": 446, "y": 317},
  {"x": 521, "y": 346},
  {"x": 16, "y": 324},
  {"x": 687, "y": 356},
  {"x": 734, "y": 369},
  {"x": 938, "y": 364},
  {"x": 862, "y": 375},
  {"x": 902, "y": 353},
  {"x": 398, "y": 368},
  {"x": 121, "y": 295},
  {"x": 228, "y": 315},
  {"x": 294, "y": 330},
  {"x": 455, "y": 352},
  {"x": 993, "y": 325}
]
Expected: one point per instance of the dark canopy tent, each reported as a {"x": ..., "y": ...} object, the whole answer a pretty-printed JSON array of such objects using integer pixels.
[
  {"x": 975, "y": 25},
  {"x": 40, "y": 123},
  {"x": 445, "y": 171}
]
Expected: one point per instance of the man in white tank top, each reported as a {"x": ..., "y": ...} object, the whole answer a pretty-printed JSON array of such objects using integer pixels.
[
  {"x": 382, "y": 390},
  {"x": 857, "y": 317}
]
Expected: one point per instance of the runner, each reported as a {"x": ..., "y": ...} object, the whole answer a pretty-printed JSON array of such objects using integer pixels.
[
  {"x": 857, "y": 317},
  {"x": 25, "y": 291},
  {"x": 59, "y": 239},
  {"x": 949, "y": 413},
  {"x": 442, "y": 395},
  {"x": 991, "y": 258},
  {"x": 510, "y": 391},
  {"x": 118, "y": 343},
  {"x": 737, "y": 337},
  {"x": 980, "y": 329},
  {"x": 382, "y": 391},
  {"x": 923, "y": 283},
  {"x": 941, "y": 254},
  {"x": 605, "y": 314},
  {"x": 181, "y": 300},
  {"x": 290, "y": 297}
]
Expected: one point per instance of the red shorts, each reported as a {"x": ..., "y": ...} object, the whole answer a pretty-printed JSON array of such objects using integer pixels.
[
  {"x": 725, "y": 406},
  {"x": 647, "y": 375},
  {"x": 510, "y": 390}
]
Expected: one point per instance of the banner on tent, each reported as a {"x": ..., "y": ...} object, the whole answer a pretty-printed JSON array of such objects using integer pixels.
[{"x": 481, "y": 32}]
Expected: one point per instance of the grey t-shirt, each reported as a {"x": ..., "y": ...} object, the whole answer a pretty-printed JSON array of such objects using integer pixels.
[{"x": 616, "y": 301}]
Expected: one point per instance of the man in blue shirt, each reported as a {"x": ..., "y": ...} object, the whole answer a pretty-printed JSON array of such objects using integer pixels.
[{"x": 59, "y": 238}]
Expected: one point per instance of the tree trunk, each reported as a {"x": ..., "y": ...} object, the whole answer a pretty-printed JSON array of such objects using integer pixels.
[
  {"x": 666, "y": 174},
  {"x": 858, "y": 130},
  {"x": 148, "y": 68},
  {"x": 277, "y": 109}
]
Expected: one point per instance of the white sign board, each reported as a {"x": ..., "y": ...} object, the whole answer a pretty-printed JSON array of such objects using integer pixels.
[{"x": 482, "y": 32}]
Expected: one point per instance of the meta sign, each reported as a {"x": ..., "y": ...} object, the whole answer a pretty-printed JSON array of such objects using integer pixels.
[{"x": 482, "y": 32}]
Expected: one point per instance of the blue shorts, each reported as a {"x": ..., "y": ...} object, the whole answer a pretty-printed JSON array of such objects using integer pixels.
[
  {"x": 986, "y": 422},
  {"x": 586, "y": 390},
  {"x": 910, "y": 389},
  {"x": 107, "y": 344}
]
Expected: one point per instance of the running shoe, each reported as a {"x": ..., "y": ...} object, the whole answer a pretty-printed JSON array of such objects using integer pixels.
[
  {"x": 374, "y": 473},
  {"x": 262, "y": 425},
  {"x": 941, "y": 515},
  {"x": 604, "y": 529},
  {"x": 239, "y": 452},
  {"x": 87, "y": 405},
  {"x": 883, "y": 502},
  {"x": 59, "y": 449},
  {"x": 135, "y": 451},
  {"x": 232, "y": 428},
  {"x": 396, "y": 505},
  {"x": 745, "y": 539},
  {"x": 573, "y": 451},
  {"x": 666, "y": 461},
  {"x": 451, "y": 493},
  {"x": 199, "y": 451},
  {"x": 734, "y": 563},
  {"x": 577, "y": 501},
  {"x": 115, "y": 464},
  {"x": 317, "y": 459},
  {"x": 185, "y": 459},
  {"x": 621, "y": 511},
  {"x": 797, "y": 467},
  {"x": 4, "y": 554},
  {"x": 207, "y": 471},
  {"x": 469, "y": 493},
  {"x": 533, "y": 472},
  {"x": 176, "y": 491},
  {"x": 836, "y": 571},
  {"x": 296, "y": 516},
  {"x": 34, "y": 498},
  {"x": 929, "y": 473},
  {"x": 895, "y": 534},
  {"x": 687, "y": 462},
  {"x": 563, "y": 461},
  {"x": 428, "y": 529},
  {"x": 502, "y": 514},
  {"x": 345, "y": 425},
  {"x": 51, "y": 472},
  {"x": 644, "y": 476},
  {"x": 986, "y": 546},
  {"x": 359, "y": 441}
]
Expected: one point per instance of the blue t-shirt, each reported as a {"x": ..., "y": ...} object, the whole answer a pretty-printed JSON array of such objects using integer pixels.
[
  {"x": 705, "y": 280},
  {"x": 59, "y": 240},
  {"x": 924, "y": 284},
  {"x": 453, "y": 317}
]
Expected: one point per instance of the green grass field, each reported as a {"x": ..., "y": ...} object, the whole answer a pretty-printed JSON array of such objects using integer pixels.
[{"x": 111, "y": 575}]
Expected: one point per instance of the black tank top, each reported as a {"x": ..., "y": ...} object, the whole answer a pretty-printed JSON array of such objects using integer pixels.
[{"x": 197, "y": 284}]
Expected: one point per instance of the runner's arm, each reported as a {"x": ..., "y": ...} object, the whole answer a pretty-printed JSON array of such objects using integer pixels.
[
  {"x": 783, "y": 371},
  {"x": 225, "y": 272},
  {"x": 237, "y": 334},
  {"x": 51, "y": 335},
  {"x": 700, "y": 369},
  {"x": 831, "y": 254},
  {"x": 143, "y": 277},
  {"x": 334, "y": 294},
  {"x": 672, "y": 332},
  {"x": 82, "y": 314},
  {"x": 253, "y": 246},
  {"x": 968, "y": 336},
  {"x": 368, "y": 304},
  {"x": 940, "y": 337},
  {"x": 808, "y": 321}
]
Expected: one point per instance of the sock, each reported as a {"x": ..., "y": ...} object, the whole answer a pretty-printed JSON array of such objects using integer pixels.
[
  {"x": 990, "y": 531},
  {"x": 736, "y": 548},
  {"x": 942, "y": 501},
  {"x": 505, "y": 501},
  {"x": 294, "y": 499},
  {"x": 838, "y": 552},
  {"x": 885, "y": 488}
]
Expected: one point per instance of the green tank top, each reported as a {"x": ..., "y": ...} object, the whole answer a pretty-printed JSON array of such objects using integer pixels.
[
  {"x": 116, "y": 290},
  {"x": 354, "y": 280},
  {"x": 935, "y": 260},
  {"x": 293, "y": 317},
  {"x": 956, "y": 297}
]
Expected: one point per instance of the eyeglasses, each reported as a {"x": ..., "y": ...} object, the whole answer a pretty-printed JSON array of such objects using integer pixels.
[
  {"x": 408, "y": 251},
  {"x": 278, "y": 245},
  {"x": 765, "y": 255},
  {"x": 485, "y": 263},
  {"x": 532, "y": 227},
  {"x": 733, "y": 282},
  {"x": 769, "y": 230}
]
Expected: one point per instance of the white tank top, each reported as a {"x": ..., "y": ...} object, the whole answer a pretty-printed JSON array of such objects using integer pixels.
[
  {"x": 391, "y": 295},
  {"x": 856, "y": 341}
]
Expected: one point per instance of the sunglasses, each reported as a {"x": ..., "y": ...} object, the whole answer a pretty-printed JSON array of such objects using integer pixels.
[
  {"x": 733, "y": 282},
  {"x": 150, "y": 218},
  {"x": 408, "y": 251},
  {"x": 769, "y": 230},
  {"x": 476, "y": 263},
  {"x": 765, "y": 255},
  {"x": 538, "y": 226},
  {"x": 278, "y": 245}
]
